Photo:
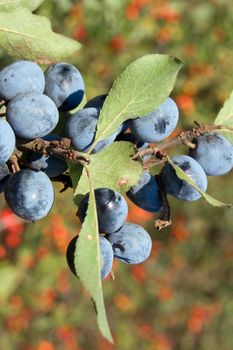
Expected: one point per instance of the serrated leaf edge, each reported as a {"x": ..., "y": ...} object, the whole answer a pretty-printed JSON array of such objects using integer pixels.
[{"x": 100, "y": 137}]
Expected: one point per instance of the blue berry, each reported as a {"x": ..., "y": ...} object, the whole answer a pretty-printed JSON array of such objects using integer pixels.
[
  {"x": 131, "y": 244},
  {"x": 32, "y": 115},
  {"x": 127, "y": 137},
  {"x": 157, "y": 125},
  {"x": 112, "y": 209},
  {"x": 52, "y": 166},
  {"x": 146, "y": 193},
  {"x": 106, "y": 255},
  {"x": 96, "y": 102},
  {"x": 21, "y": 77},
  {"x": 29, "y": 194},
  {"x": 81, "y": 129},
  {"x": 64, "y": 85},
  {"x": 7, "y": 141},
  {"x": 102, "y": 144},
  {"x": 4, "y": 176},
  {"x": 179, "y": 188},
  {"x": 214, "y": 153}
]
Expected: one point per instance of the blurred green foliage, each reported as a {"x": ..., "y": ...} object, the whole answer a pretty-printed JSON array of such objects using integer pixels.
[{"x": 181, "y": 298}]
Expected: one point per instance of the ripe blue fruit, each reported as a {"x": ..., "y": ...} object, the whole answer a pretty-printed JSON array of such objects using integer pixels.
[
  {"x": 7, "y": 141},
  {"x": 112, "y": 209},
  {"x": 52, "y": 166},
  {"x": 131, "y": 244},
  {"x": 179, "y": 188},
  {"x": 64, "y": 85},
  {"x": 21, "y": 77},
  {"x": 4, "y": 176},
  {"x": 157, "y": 125},
  {"x": 214, "y": 153},
  {"x": 81, "y": 129},
  {"x": 32, "y": 115},
  {"x": 102, "y": 144},
  {"x": 106, "y": 255},
  {"x": 96, "y": 102},
  {"x": 129, "y": 137},
  {"x": 146, "y": 193},
  {"x": 29, "y": 194}
]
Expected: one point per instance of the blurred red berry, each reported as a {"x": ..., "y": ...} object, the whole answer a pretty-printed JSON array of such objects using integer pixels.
[
  {"x": 185, "y": 103},
  {"x": 117, "y": 43},
  {"x": 80, "y": 33}
]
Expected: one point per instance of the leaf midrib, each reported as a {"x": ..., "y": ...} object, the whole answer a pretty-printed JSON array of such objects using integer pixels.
[
  {"x": 119, "y": 114},
  {"x": 5, "y": 30},
  {"x": 99, "y": 294}
]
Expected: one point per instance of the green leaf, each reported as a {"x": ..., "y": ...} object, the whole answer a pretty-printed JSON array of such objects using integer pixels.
[
  {"x": 27, "y": 36},
  {"x": 111, "y": 168},
  {"x": 75, "y": 173},
  {"x": 182, "y": 175},
  {"x": 142, "y": 87},
  {"x": 8, "y": 5},
  {"x": 88, "y": 261},
  {"x": 225, "y": 117}
]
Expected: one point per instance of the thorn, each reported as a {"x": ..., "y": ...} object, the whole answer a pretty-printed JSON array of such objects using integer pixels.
[
  {"x": 160, "y": 224},
  {"x": 13, "y": 161},
  {"x": 190, "y": 144},
  {"x": 112, "y": 275}
]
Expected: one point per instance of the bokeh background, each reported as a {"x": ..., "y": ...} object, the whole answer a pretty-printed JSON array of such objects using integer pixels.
[{"x": 181, "y": 298}]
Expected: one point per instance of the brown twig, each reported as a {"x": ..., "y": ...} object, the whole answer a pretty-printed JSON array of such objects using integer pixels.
[
  {"x": 165, "y": 213},
  {"x": 184, "y": 138},
  {"x": 60, "y": 149},
  {"x": 13, "y": 163}
]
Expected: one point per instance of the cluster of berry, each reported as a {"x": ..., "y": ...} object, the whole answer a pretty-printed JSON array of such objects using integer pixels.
[
  {"x": 33, "y": 101},
  {"x": 123, "y": 241},
  {"x": 130, "y": 243}
]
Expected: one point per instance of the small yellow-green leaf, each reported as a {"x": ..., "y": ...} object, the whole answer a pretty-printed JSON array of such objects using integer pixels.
[
  {"x": 181, "y": 174},
  {"x": 27, "y": 36},
  {"x": 111, "y": 168},
  {"x": 225, "y": 118},
  {"x": 88, "y": 261},
  {"x": 142, "y": 87}
]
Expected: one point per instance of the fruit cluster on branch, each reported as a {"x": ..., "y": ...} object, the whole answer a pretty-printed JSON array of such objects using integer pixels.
[{"x": 32, "y": 155}]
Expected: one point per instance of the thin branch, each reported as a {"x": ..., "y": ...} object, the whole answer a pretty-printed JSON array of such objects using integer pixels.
[
  {"x": 13, "y": 163},
  {"x": 184, "y": 138},
  {"x": 165, "y": 213},
  {"x": 60, "y": 149}
]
